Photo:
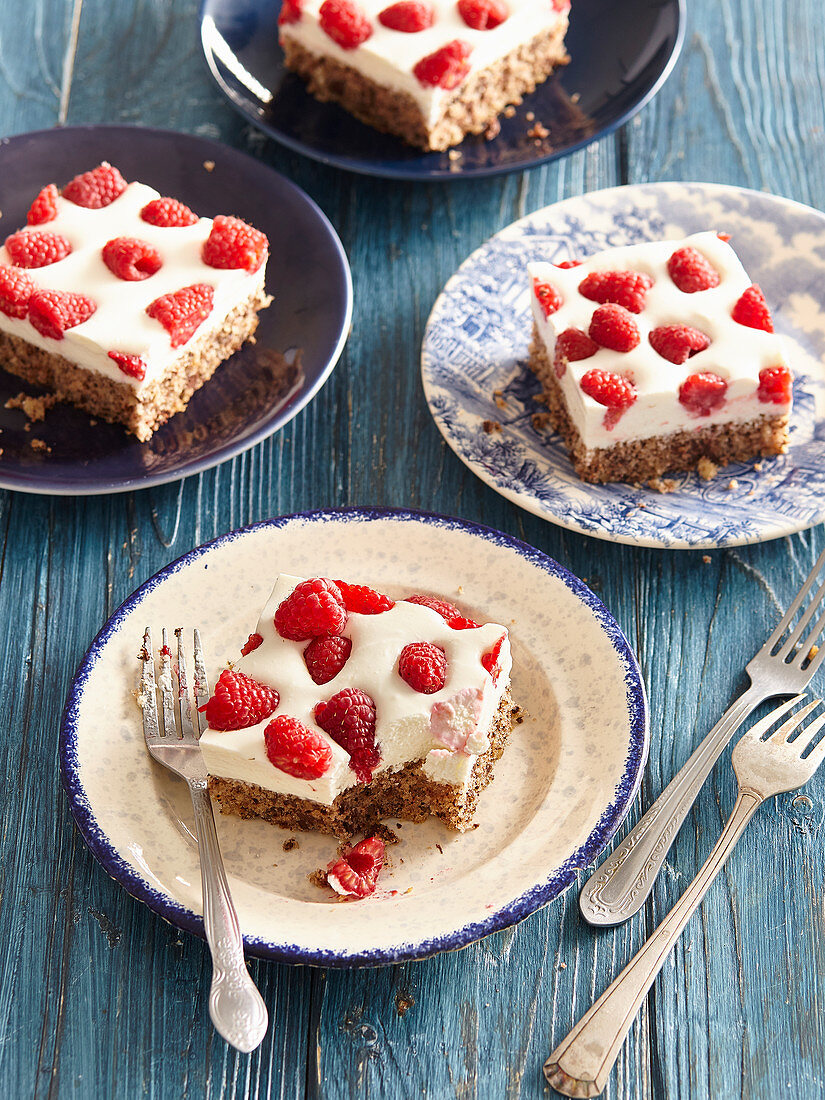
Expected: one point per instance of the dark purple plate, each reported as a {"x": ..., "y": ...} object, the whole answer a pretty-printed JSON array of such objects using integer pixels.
[
  {"x": 621, "y": 52},
  {"x": 249, "y": 397}
]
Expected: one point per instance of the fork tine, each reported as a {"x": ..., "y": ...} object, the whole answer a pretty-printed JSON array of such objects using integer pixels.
[
  {"x": 781, "y": 735},
  {"x": 148, "y": 697},
  {"x": 784, "y": 622},
  {"x": 184, "y": 701},
  {"x": 167, "y": 698},
  {"x": 794, "y": 639},
  {"x": 817, "y": 754},
  {"x": 201, "y": 684},
  {"x": 758, "y": 731}
]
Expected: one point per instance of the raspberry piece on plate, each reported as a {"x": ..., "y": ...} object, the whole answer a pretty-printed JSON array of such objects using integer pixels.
[
  {"x": 131, "y": 259},
  {"x": 548, "y": 296},
  {"x": 132, "y": 365},
  {"x": 314, "y": 607},
  {"x": 291, "y": 11},
  {"x": 363, "y": 600},
  {"x": 349, "y": 718},
  {"x": 775, "y": 385},
  {"x": 326, "y": 656},
  {"x": 296, "y": 750},
  {"x": 423, "y": 666},
  {"x": 16, "y": 288},
  {"x": 233, "y": 244},
  {"x": 37, "y": 249},
  {"x": 345, "y": 23},
  {"x": 53, "y": 311},
  {"x": 613, "y": 327},
  {"x": 483, "y": 15},
  {"x": 625, "y": 288},
  {"x": 251, "y": 643},
  {"x": 183, "y": 311},
  {"x": 752, "y": 310},
  {"x": 691, "y": 271},
  {"x": 702, "y": 393},
  {"x": 44, "y": 207},
  {"x": 97, "y": 188},
  {"x": 572, "y": 346},
  {"x": 490, "y": 660},
  {"x": 446, "y": 67},
  {"x": 355, "y": 874},
  {"x": 167, "y": 213},
  {"x": 677, "y": 343},
  {"x": 408, "y": 16},
  {"x": 460, "y": 622},
  {"x": 239, "y": 701},
  {"x": 446, "y": 610}
]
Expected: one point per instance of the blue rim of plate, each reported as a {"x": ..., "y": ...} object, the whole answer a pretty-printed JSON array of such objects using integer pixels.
[
  {"x": 435, "y": 166},
  {"x": 536, "y": 897},
  {"x": 39, "y": 478}
]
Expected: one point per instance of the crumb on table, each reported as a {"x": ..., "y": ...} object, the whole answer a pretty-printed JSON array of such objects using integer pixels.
[
  {"x": 40, "y": 445},
  {"x": 209, "y": 165}
]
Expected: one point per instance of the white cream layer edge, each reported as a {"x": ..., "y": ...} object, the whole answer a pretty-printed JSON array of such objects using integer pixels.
[
  {"x": 403, "y": 729},
  {"x": 736, "y": 353}
]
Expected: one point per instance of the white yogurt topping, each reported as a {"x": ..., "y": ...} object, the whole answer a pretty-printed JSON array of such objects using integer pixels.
[
  {"x": 120, "y": 322},
  {"x": 405, "y": 727},
  {"x": 736, "y": 353},
  {"x": 389, "y": 56}
]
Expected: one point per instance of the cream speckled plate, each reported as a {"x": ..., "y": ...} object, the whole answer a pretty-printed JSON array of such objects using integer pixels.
[{"x": 560, "y": 790}]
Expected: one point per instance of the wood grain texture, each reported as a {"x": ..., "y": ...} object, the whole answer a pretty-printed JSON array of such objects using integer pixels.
[{"x": 98, "y": 997}]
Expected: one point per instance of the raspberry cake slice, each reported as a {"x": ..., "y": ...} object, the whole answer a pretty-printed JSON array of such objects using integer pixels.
[
  {"x": 122, "y": 301},
  {"x": 430, "y": 71},
  {"x": 657, "y": 356},
  {"x": 347, "y": 707}
]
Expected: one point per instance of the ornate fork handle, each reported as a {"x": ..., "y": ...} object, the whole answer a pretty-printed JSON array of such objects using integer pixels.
[
  {"x": 235, "y": 1005},
  {"x": 618, "y": 888}
]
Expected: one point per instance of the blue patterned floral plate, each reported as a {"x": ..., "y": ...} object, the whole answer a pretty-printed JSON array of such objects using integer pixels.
[{"x": 476, "y": 341}]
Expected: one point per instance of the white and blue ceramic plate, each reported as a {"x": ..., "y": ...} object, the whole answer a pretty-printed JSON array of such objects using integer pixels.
[
  {"x": 476, "y": 345},
  {"x": 560, "y": 791},
  {"x": 250, "y": 396}
]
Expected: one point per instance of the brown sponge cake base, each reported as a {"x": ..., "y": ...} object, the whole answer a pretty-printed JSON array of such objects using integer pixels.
[
  {"x": 140, "y": 411},
  {"x": 642, "y": 459},
  {"x": 407, "y": 794},
  {"x": 471, "y": 109}
]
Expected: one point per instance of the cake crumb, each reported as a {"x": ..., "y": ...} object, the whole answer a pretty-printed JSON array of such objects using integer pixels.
[
  {"x": 385, "y": 832},
  {"x": 509, "y": 111},
  {"x": 562, "y": 966},
  {"x": 291, "y": 844},
  {"x": 502, "y": 404},
  {"x": 706, "y": 558},
  {"x": 706, "y": 469},
  {"x": 454, "y": 154},
  {"x": 757, "y": 466},
  {"x": 493, "y": 130},
  {"x": 540, "y": 420},
  {"x": 209, "y": 165},
  {"x": 92, "y": 423},
  {"x": 35, "y": 408},
  {"x": 732, "y": 484},
  {"x": 41, "y": 446},
  {"x": 318, "y": 878},
  {"x": 812, "y": 652},
  {"x": 491, "y": 426},
  {"x": 538, "y": 133},
  {"x": 530, "y": 116},
  {"x": 540, "y": 398},
  {"x": 575, "y": 97},
  {"x": 662, "y": 484},
  {"x": 403, "y": 1002}
]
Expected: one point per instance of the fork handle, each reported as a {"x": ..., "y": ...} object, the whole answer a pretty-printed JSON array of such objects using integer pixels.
[
  {"x": 235, "y": 1005},
  {"x": 619, "y": 887},
  {"x": 580, "y": 1065}
]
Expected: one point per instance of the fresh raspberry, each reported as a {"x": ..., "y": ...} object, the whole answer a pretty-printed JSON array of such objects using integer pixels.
[
  {"x": 44, "y": 207},
  {"x": 291, "y": 11},
  {"x": 446, "y": 67},
  {"x": 36, "y": 249},
  {"x": 625, "y": 288},
  {"x": 549, "y": 298},
  {"x": 423, "y": 666},
  {"x": 251, "y": 643},
  {"x": 613, "y": 327},
  {"x": 131, "y": 259},
  {"x": 234, "y": 244},
  {"x": 490, "y": 660},
  {"x": 460, "y": 622},
  {"x": 691, "y": 271},
  {"x": 349, "y": 719},
  {"x": 572, "y": 345},
  {"x": 446, "y": 610},
  {"x": 345, "y": 23},
  {"x": 483, "y": 15},
  {"x": 183, "y": 311},
  {"x": 132, "y": 365},
  {"x": 53, "y": 311},
  {"x": 751, "y": 310},
  {"x": 356, "y": 873},
  {"x": 408, "y": 16},
  {"x": 565, "y": 265},
  {"x": 609, "y": 389},
  {"x": 677, "y": 343},
  {"x": 775, "y": 385},
  {"x": 702, "y": 393},
  {"x": 167, "y": 213},
  {"x": 97, "y": 188},
  {"x": 239, "y": 701},
  {"x": 295, "y": 749},
  {"x": 16, "y": 288},
  {"x": 313, "y": 608},
  {"x": 326, "y": 656},
  {"x": 723, "y": 237},
  {"x": 363, "y": 600}
]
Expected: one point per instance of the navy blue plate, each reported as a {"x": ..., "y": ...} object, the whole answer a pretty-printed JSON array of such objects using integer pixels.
[
  {"x": 620, "y": 55},
  {"x": 250, "y": 396}
]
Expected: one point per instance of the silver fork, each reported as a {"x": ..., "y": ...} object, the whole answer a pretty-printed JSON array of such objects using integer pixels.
[
  {"x": 619, "y": 887},
  {"x": 235, "y": 1005},
  {"x": 580, "y": 1065}
]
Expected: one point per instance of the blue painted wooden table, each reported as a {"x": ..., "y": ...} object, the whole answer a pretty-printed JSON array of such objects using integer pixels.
[{"x": 98, "y": 997}]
